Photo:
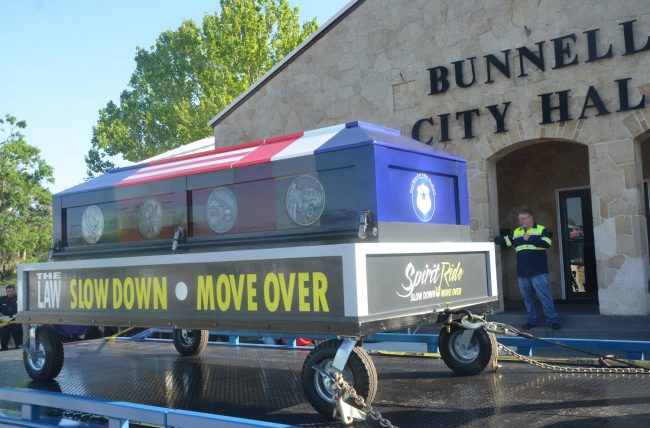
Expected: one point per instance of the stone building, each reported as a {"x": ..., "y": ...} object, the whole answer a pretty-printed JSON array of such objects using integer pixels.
[{"x": 546, "y": 99}]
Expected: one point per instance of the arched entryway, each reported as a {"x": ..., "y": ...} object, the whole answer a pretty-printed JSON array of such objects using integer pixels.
[{"x": 551, "y": 178}]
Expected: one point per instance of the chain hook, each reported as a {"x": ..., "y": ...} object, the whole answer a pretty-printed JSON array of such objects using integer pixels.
[{"x": 342, "y": 391}]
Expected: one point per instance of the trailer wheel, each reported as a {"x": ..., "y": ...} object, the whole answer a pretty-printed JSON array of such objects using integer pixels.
[
  {"x": 359, "y": 372},
  {"x": 471, "y": 359},
  {"x": 47, "y": 361},
  {"x": 190, "y": 342}
]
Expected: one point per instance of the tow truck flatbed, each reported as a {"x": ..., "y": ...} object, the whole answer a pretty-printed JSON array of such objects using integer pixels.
[{"x": 264, "y": 383}]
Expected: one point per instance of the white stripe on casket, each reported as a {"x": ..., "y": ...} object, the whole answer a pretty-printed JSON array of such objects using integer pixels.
[
  {"x": 308, "y": 143},
  {"x": 190, "y": 164},
  {"x": 185, "y": 168}
]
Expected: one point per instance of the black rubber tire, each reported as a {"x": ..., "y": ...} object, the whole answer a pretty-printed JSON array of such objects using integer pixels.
[
  {"x": 481, "y": 353},
  {"x": 359, "y": 372},
  {"x": 49, "y": 361},
  {"x": 190, "y": 342}
]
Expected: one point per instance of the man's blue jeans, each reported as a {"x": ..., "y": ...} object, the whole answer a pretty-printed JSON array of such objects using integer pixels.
[{"x": 538, "y": 284}]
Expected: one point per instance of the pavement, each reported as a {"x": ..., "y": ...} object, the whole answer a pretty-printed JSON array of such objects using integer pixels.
[{"x": 579, "y": 321}]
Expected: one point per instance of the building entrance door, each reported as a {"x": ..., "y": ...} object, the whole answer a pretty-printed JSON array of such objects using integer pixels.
[{"x": 577, "y": 240}]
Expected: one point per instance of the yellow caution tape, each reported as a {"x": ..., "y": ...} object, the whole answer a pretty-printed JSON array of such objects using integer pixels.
[
  {"x": 119, "y": 333},
  {"x": 6, "y": 320}
]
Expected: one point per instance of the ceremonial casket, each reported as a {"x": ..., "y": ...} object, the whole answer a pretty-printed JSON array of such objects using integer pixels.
[
  {"x": 344, "y": 183},
  {"x": 352, "y": 228},
  {"x": 349, "y": 229}
]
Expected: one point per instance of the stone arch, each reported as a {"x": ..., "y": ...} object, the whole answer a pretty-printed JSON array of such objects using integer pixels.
[{"x": 528, "y": 174}]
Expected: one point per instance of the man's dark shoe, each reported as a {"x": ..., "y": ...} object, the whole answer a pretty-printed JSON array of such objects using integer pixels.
[
  {"x": 556, "y": 326},
  {"x": 528, "y": 326}
]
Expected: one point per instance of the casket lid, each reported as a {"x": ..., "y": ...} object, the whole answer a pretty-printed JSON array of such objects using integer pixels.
[{"x": 323, "y": 140}]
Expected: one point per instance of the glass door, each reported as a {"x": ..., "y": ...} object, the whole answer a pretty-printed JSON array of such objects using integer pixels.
[{"x": 578, "y": 251}]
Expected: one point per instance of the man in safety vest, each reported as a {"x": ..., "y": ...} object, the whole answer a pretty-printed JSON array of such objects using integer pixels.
[{"x": 530, "y": 241}]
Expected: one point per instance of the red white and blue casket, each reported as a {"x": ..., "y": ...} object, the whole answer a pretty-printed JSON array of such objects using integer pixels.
[
  {"x": 311, "y": 187},
  {"x": 347, "y": 230}
]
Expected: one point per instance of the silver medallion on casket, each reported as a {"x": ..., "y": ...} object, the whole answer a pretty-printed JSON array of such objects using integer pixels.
[
  {"x": 150, "y": 218},
  {"x": 221, "y": 210},
  {"x": 305, "y": 200},
  {"x": 92, "y": 224}
]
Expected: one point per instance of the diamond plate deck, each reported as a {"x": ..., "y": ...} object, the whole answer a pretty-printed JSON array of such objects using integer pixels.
[{"x": 264, "y": 384}]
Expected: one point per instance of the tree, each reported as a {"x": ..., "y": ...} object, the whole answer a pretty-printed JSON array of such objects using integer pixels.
[
  {"x": 25, "y": 202},
  {"x": 190, "y": 75}
]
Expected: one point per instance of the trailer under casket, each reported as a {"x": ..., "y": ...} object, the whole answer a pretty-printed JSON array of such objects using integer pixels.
[
  {"x": 345, "y": 231},
  {"x": 264, "y": 384}
]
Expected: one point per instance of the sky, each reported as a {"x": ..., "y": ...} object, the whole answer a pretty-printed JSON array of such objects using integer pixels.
[{"x": 61, "y": 61}]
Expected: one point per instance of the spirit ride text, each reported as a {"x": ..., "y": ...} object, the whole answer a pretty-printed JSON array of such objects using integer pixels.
[{"x": 441, "y": 276}]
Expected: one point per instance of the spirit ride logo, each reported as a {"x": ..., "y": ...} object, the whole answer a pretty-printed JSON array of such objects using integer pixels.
[{"x": 434, "y": 281}]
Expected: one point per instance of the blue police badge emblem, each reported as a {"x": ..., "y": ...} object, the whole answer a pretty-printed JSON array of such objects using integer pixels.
[{"x": 423, "y": 197}]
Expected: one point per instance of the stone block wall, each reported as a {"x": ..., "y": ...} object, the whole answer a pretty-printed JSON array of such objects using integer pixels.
[{"x": 374, "y": 65}]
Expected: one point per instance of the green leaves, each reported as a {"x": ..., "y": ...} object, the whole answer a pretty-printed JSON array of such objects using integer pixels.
[
  {"x": 25, "y": 203},
  {"x": 190, "y": 74}
]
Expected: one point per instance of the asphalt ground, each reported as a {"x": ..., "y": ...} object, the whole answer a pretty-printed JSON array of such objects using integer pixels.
[{"x": 265, "y": 384}]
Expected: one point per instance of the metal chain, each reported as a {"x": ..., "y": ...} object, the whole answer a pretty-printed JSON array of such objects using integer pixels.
[
  {"x": 340, "y": 386},
  {"x": 567, "y": 369}
]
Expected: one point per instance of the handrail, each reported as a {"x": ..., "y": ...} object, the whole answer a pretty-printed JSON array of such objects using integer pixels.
[{"x": 118, "y": 413}]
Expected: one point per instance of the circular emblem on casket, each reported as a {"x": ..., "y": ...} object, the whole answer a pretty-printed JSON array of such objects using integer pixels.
[
  {"x": 423, "y": 197},
  {"x": 92, "y": 224},
  {"x": 305, "y": 200},
  {"x": 221, "y": 210},
  {"x": 150, "y": 218}
]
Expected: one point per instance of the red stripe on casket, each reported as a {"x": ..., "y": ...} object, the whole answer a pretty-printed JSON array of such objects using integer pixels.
[
  {"x": 266, "y": 151},
  {"x": 230, "y": 157}
]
